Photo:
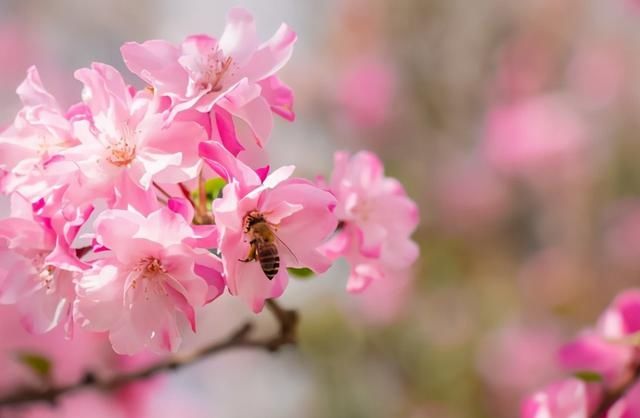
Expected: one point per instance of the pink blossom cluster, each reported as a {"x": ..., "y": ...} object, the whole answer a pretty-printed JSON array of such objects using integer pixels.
[
  {"x": 376, "y": 221},
  {"x": 111, "y": 229},
  {"x": 605, "y": 363}
]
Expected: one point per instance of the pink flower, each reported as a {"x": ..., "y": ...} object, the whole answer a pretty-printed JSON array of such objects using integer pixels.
[
  {"x": 535, "y": 136},
  {"x": 126, "y": 147},
  {"x": 609, "y": 348},
  {"x": 297, "y": 213},
  {"x": 151, "y": 281},
  {"x": 39, "y": 132},
  {"x": 377, "y": 219},
  {"x": 38, "y": 266},
  {"x": 590, "y": 352},
  {"x": 366, "y": 91},
  {"x": 570, "y": 398},
  {"x": 236, "y": 73}
]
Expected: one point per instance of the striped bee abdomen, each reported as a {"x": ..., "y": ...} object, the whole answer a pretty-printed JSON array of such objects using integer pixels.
[{"x": 267, "y": 255}]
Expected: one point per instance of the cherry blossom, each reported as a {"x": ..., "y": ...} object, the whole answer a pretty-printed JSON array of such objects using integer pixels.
[
  {"x": 126, "y": 147},
  {"x": 152, "y": 279},
  {"x": 38, "y": 264},
  {"x": 235, "y": 73},
  {"x": 377, "y": 219},
  {"x": 299, "y": 214}
]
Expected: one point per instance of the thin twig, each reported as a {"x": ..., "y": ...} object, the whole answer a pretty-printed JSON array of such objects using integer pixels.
[
  {"x": 187, "y": 194},
  {"x": 287, "y": 321},
  {"x": 162, "y": 190}
]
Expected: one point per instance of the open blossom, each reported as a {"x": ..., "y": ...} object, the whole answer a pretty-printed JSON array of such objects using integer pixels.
[
  {"x": 38, "y": 266},
  {"x": 150, "y": 282},
  {"x": 377, "y": 219},
  {"x": 233, "y": 75},
  {"x": 125, "y": 146},
  {"x": 299, "y": 214}
]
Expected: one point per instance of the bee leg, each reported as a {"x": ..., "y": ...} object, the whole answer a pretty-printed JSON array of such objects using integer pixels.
[{"x": 252, "y": 254}]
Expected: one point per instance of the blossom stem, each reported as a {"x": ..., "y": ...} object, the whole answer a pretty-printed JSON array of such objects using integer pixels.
[
  {"x": 187, "y": 194},
  {"x": 161, "y": 190},
  {"x": 240, "y": 338}
]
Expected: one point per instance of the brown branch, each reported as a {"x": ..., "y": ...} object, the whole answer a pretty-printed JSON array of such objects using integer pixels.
[
  {"x": 613, "y": 396},
  {"x": 240, "y": 338}
]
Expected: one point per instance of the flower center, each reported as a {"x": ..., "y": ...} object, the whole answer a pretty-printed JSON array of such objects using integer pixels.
[
  {"x": 150, "y": 266},
  {"x": 123, "y": 151},
  {"x": 214, "y": 69},
  {"x": 46, "y": 276},
  {"x": 45, "y": 273},
  {"x": 147, "y": 268}
]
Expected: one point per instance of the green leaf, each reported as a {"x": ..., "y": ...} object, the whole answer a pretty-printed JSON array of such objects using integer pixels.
[
  {"x": 37, "y": 363},
  {"x": 588, "y": 376},
  {"x": 300, "y": 273},
  {"x": 213, "y": 187}
]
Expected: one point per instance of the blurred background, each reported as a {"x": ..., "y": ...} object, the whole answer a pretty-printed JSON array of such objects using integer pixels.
[{"x": 513, "y": 124}]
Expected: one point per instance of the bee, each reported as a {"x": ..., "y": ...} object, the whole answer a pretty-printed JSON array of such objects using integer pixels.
[{"x": 262, "y": 240}]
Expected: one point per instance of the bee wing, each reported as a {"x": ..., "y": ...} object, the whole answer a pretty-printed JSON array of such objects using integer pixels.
[{"x": 286, "y": 247}]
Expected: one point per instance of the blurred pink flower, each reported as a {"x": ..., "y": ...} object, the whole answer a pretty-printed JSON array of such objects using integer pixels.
[
  {"x": 570, "y": 398},
  {"x": 598, "y": 72},
  {"x": 385, "y": 300},
  {"x": 70, "y": 360},
  {"x": 470, "y": 197},
  {"x": 591, "y": 352},
  {"x": 366, "y": 91},
  {"x": 622, "y": 235},
  {"x": 608, "y": 349},
  {"x": 377, "y": 219},
  {"x": 542, "y": 137},
  {"x": 628, "y": 406},
  {"x": 516, "y": 359}
]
